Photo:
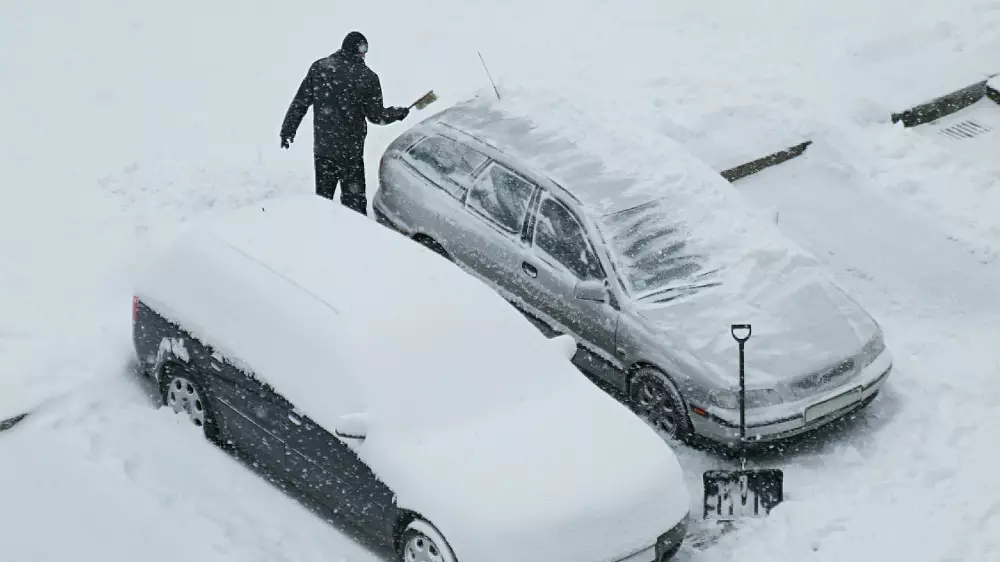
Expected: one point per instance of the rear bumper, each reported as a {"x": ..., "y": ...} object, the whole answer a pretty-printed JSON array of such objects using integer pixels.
[{"x": 849, "y": 397}]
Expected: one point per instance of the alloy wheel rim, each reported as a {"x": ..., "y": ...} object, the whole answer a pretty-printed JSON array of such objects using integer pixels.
[
  {"x": 421, "y": 549},
  {"x": 182, "y": 396},
  {"x": 657, "y": 404}
]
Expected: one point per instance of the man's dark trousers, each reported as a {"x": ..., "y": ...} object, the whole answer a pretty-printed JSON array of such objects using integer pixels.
[{"x": 349, "y": 173}]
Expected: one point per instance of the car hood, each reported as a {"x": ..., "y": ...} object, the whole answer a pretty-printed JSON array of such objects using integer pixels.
[
  {"x": 574, "y": 477},
  {"x": 800, "y": 322}
]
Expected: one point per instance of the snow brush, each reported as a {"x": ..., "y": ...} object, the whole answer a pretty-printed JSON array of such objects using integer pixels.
[
  {"x": 722, "y": 487},
  {"x": 425, "y": 100}
]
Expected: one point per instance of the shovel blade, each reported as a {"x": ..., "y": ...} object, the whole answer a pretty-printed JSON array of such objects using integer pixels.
[{"x": 732, "y": 494}]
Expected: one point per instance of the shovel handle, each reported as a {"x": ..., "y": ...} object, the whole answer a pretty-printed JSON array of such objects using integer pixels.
[{"x": 738, "y": 327}]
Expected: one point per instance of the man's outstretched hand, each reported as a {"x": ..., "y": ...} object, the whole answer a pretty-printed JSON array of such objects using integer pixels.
[
  {"x": 401, "y": 113},
  {"x": 286, "y": 141}
]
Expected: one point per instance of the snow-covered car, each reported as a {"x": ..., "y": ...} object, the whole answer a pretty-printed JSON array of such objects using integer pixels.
[
  {"x": 400, "y": 393},
  {"x": 645, "y": 256}
]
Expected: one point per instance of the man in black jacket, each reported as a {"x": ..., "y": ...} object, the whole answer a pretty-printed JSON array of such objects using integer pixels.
[{"x": 343, "y": 93}]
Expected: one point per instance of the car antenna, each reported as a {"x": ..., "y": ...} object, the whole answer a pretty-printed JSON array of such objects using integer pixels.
[{"x": 488, "y": 75}]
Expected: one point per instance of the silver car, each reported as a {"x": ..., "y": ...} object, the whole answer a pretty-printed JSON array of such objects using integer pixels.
[{"x": 648, "y": 298}]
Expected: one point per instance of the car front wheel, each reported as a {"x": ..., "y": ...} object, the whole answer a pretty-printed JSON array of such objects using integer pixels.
[
  {"x": 658, "y": 402},
  {"x": 421, "y": 542}
]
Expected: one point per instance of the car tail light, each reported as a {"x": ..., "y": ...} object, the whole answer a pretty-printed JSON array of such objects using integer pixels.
[{"x": 135, "y": 308}]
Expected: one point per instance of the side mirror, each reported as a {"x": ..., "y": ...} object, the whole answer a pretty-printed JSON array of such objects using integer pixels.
[
  {"x": 565, "y": 344},
  {"x": 591, "y": 290},
  {"x": 352, "y": 426}
]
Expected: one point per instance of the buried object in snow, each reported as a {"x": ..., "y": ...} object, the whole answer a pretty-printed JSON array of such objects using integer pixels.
[{"x": 732, "y": 493}]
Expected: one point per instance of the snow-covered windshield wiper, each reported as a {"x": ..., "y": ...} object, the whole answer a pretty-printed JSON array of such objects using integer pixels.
[{"x": 676, "y": 291}]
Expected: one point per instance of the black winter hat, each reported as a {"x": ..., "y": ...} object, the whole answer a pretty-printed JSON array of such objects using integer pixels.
[{"x": 355, "y": 44}]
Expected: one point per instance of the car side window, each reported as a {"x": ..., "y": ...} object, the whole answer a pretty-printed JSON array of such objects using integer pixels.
[
  {"x": 559, "y": 234},
  {"x": 447, "y": 163},
  {"x": 502, "y": 197}
]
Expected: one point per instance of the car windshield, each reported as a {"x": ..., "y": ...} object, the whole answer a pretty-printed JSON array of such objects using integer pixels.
[{"x": 651, "y": 255}]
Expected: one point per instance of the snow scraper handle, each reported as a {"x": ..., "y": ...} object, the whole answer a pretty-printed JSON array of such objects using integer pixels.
[{"x": 735, "y": 327}]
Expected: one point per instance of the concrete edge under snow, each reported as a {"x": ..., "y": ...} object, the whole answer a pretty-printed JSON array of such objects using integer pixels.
[
  {"x": 754, "y": 166},
  {"x": 949, "y": 103},
  {"x": 12, "y": 421},
  {"x": 993, "y": 88}
]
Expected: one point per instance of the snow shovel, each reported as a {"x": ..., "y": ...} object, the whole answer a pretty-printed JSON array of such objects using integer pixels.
[
  {"x": 425, "y": 100},
  {"x": 730, "y": 494}
]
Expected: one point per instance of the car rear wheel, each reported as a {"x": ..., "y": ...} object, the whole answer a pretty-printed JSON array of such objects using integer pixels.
[
  {"x": 659, "y": 403},
  {"x": 184, "y": 395},
  {"x": 421, "y": 542}
]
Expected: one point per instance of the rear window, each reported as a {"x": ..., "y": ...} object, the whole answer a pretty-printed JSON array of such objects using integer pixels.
[{"x": 447, "y": 163}]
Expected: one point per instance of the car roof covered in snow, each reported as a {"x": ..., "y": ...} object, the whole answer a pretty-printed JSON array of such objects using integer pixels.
[
  {"x": 342, "y": 315},
  {"x": 613, "y": 164},
  {"x": 602, "y": 180}
]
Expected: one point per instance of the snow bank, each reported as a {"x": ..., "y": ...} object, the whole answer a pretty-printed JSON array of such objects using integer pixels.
[
  {"x": 952, "y": 185},
  {"x": 100, "y": 474},
  {"x": 903, "y": 467}
]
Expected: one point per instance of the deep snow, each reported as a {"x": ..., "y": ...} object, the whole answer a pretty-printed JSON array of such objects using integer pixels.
[
  {"x": 102, "y": 475},
  {"x": 917, "y": 464},
  {"x": 124, "y": 121}
]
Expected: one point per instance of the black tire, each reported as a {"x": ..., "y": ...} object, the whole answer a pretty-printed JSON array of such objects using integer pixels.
[
  {"x": 181, "y": 388},
  {"x": 657, "y": 401}
]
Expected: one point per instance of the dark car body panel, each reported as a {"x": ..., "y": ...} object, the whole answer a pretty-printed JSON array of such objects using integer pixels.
[{"x": 256, "y": 420}]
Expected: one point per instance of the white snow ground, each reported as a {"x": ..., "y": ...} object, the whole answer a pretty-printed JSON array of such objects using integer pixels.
[{"x": 125, "y": 120}]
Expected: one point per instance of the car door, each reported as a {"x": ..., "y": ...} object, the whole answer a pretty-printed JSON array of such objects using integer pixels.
[
  {"x": 561, "y": 256},
  {"x": 325, "y": 467},
  {"x": 438, "y": 172},
  {"x": 256, "y": 418},
  {"x": 496, "y": 210}
]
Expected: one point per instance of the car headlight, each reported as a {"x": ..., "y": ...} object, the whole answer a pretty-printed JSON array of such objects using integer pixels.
[
  {"x": 725, "y": 399},
  {"x": 755, "y": 398},
  {"x": 873, "y": 348}
]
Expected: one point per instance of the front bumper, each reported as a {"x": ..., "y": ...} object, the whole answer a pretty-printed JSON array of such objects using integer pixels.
[
  {"x": 808, "y": 416},
  {"x": 665, "y": 547}
]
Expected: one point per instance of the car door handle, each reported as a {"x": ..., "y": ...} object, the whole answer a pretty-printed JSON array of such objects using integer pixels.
[
  {"x": 294, "y": 419},
  {"x": 531, "y": 270}
]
